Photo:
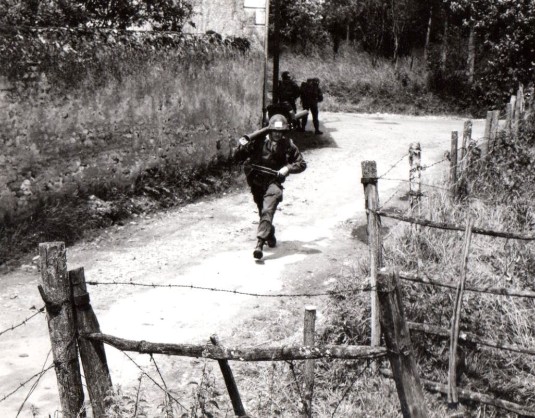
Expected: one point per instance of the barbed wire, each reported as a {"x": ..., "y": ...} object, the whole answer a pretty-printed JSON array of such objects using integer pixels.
[
  {"x": 426, "y": 167},
  {"x": 393, "y": 166},
  {"x": 236, "y": 292},
  {"x": 34, "y": 385},
  {"x": 350, "y": 386},
  {"x": 154, "y": 381},
  {"x": 13, "y": 327},
  {"x": 21, "y": 385},
  {"x": 390, "y": 198},
  {"x": 421, "y": 184}
]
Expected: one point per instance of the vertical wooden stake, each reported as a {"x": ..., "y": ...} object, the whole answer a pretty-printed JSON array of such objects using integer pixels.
[
  {"x": 92, "y": 353},
  {"x": 56, "y": 292},
  {"x": 453, "y": 162},
  {"x": 508, "y": 119},
  {"x": 456, "y": 319},
  {"x": 467, "y": 136},
  {"x": 415, "y": 175},
  {"x": 308, "y": 340},
  {"x": 375, "y": 242},
  {"x": 232, "y": 388},
  {"x": 495, "y": 125},
  {"x": 398, "y": 342},
  {"x": 488, "y": 123},
  {"x": 519, "y": 111}
]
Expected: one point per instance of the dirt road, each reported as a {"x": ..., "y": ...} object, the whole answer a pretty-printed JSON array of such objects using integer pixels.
[{"x": 210, "y": 244}]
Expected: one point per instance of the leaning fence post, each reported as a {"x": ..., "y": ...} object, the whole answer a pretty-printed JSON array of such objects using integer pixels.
[
  {"x": 232, "y": 388},
  {"x": 371, "y": 198},
  {"x": 456, "y": 319},
  {"x": 415, "y": 175},
  {"x": 92, "y": 353},
  {"x": 399, "y": 346},
  {"x": 56, "y": 292},
  {"x": 309, "y": 330},
  {"x": 453, "y": 162}
]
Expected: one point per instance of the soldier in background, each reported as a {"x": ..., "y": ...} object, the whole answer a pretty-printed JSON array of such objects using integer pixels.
[
  {"x": 311, "y": 95},
  {"x": 288, "y": 90}
]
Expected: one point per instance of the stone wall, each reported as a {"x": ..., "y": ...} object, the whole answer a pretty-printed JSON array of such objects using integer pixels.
[
  {"x": 230, "y": 18},
  {"x": 53, "y": 147}
]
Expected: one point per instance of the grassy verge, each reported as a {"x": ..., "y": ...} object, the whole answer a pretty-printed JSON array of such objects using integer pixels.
[{"x": 498, "y": 193}]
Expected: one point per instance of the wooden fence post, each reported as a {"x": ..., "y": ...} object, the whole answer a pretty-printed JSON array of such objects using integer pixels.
[
  {"x": 508, "y": 119},
  {"x": 453, "y": 162},
  {"x": 494, "y": 130},
  {"x": 520, "y": 107},
  {"x": 415, "y": 175},
  {"x": 92, "y": 353},
  {"x": 467, "y": 137},
  {"x": 398, "y": 342},
  {"x": 375, "y": 242},
  {"x": 486, "y": 137},
  {"x": 456, "y": 319},
  {"x": 309, "y": 330},
  {"x": 56, "y": 292},
  {"x": 232, "y": 388}
]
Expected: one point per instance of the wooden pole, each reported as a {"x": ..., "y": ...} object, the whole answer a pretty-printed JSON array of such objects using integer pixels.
[
  {"x": 276, "y": 50},
  {"x": 520, "y": 107},
  {"x": 453, "y": 162},
  {"x": 309, "y": 330},
  {"x": 398, "y": 342},
  {"x": 415, "y": 175},
  {"x": 495, "y": 125},
  {"x": 56, "y": 293},
  {"x": 349, "y": 352},
  {"x": 453, "y": 399},
  {"x": 232, "y": 388},
  {"x": 375, "y": 242},
  {"x": 488, "y": 123},
  {"x": 467, "y": 137},
  {"x": 92, "y": 353},
  {"x": 508, "y": 119}
]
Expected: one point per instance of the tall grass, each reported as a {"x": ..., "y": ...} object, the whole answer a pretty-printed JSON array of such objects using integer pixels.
[
  {"x": 497, "y": 201},
  {"x": 353, "y": 80}
]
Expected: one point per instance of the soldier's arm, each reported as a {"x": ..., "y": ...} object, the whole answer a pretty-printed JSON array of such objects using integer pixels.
[{"x": 296, "y": 162}]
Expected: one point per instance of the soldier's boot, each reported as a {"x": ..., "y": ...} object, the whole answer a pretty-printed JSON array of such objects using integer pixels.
[
  {"x": 317, "y": 128},
  {"x": 271, "y": 239},
  {"x": 257, "y": 253}
]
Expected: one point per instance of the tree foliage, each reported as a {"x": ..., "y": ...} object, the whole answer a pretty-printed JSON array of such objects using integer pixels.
[
  {"x": 119, "y": 14},
  {"x": 503, "y": 41}
]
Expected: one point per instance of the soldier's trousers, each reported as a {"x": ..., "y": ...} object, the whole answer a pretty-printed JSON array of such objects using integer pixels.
[
  {"x": 267, "y": 199},
  {"x": 313, "y": 109}
]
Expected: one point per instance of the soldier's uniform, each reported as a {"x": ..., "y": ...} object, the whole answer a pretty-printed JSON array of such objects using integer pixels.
[
  {"x": 288, "y": 90},
  {"x": 281, "y": 156},
  {"x": 311, "y": 95}
]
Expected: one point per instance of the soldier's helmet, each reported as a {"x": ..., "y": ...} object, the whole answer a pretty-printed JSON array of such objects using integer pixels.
[
  {"x": 285, "y": 75},
  {"x": 278, "y": 123}
]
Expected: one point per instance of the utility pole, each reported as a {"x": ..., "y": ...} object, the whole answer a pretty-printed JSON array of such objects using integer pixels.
[{"x": 276, "y": 50}]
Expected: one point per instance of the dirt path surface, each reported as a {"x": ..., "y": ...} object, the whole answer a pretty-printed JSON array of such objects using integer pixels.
[{"x": 210, "y": 244}]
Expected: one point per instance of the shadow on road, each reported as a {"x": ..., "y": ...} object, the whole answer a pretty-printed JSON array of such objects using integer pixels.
[
  {"x": 308, "y": 140},
  {"x": 288, "y": 248}
]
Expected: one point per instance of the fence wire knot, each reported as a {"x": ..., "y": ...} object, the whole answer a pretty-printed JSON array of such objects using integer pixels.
[{"x": 368, "y": 180}]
